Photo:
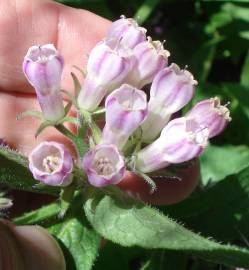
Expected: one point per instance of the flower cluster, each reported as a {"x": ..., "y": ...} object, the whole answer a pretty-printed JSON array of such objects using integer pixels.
[{"x": 141, "y": 132}]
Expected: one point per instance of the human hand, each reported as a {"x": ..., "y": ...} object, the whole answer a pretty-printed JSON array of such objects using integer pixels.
[
  {"x": 29, "y": 248},
  {"x": 74, "y": 33}
]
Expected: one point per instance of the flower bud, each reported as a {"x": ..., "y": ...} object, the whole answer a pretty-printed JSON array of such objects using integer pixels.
[
  {"x": 171, "y": 90},
  {"x": 51, "y": 163},
  {"x": 104, "y": 165},
  {"x": 150, "y": 57},
  {"x": 128, "y": 31},
  {"x": 108, "y": 65},
  {"x": 211, "y": 114},
  {"x": 43, "y": 68},
  {"x": 181, "y": 140},
  {"x": 126, "y": 109}
]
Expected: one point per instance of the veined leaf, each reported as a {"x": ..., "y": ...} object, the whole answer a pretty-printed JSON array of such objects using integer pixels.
[
  {"x": 40, "y": 216},
  {"x": 79, "y": 242},
  {"x": 131, "y": 223}
]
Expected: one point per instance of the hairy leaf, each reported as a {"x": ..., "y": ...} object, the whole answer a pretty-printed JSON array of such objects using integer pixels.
[
  {"x": 79, "y": 242},
  {"x": 130, "y": 223}
]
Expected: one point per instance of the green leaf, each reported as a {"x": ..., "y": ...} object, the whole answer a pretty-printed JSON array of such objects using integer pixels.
[
  {"x": 35, "y": 114},
  {"x": 131, "y": 223},
  {"x": 220, "y": 211},
  {"x": 79, "y": 242},
  {"x": 15, "y": 174},
  {"x": 40, "y": 216},
  {"x": 240, "y": 93},
  {"x": 145, "y": 10},
  {"x": 244, "y": 76},
  {"x": 217, "y": 162}
]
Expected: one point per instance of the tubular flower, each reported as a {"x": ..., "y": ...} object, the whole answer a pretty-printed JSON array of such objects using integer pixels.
[
  {"x": 181, "y": 140},
  {"x": 51, "y": 163},
  {"x": 43, "y": 67},
  {"x": 126, "y": 109},
  {"x": 104, "y": 165},
  {"x": 211, "y": 114},
  {"x": 108, "y": 65},
  {"x": 128, "y": 31},
  {"x": 171, "y": 90},
  {"x": 149, "y": 57}
]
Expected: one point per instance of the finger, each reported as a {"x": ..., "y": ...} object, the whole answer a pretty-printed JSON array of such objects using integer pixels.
[
  {"x": 40, "y": 251},
  {"x": 25, "y": 23},
  {"x": 28, "y": 247},
  {"x": 169, "y": 190}
]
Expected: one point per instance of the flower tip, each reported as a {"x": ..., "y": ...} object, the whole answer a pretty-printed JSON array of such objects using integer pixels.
[
  {"x": 222, "y": 110},
  {"x": 41, "y": 53}
]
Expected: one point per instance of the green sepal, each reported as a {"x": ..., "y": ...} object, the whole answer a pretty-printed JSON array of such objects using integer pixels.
[
  {"x": 148, "y": 180},
  {"x": 70, "y": 97},
  {"x": 77, "y": 85},
  {"x": 35, "y": 114},
  {"x": 42, "y": 126},
  {"x": 83, "y": 73}
]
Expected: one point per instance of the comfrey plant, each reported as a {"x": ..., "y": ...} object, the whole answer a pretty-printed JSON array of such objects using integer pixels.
[{"x": 141, "y": 133}]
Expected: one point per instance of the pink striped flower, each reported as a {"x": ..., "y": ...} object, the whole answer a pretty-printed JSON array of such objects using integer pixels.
[
  {"x": 126, "y": 109},
  {"x": 43, "y": 68},
  {"x": 104, "y": 165},
  {"x": 128, "y": 31},
  {"x": 171, "y": 90},
  {"x": 150, "y": 57},
  {"x": 108, "y": 65},
  {"x": 181, "y": 140},
  {"x": 211, "y": 114}
]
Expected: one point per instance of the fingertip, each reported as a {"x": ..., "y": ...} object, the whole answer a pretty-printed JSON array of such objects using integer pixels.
[{"x": 169, "y": 190}]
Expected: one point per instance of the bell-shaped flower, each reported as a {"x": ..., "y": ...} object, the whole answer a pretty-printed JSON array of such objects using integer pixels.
[
  {"x": 181, "y": 140},
  {"x": 104, "y": 165},
  {"x": 149, "y": 57},
  {"x": 171, "y": 90},
  {"x": 51, "y": 163},
  {"x": 43, "y": 67},
  {"x": 108, "y": 65},
  {"x": 128, "y": 31},
  {"x": 211, "y": 114},
  {"x": 126, "y": 109}
]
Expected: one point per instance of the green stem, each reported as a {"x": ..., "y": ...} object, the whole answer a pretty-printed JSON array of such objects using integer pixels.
[
  {"x": 78, "y": 142},
  {"x": 96, "y": 132},
  {"x": 62, "y": 129}
]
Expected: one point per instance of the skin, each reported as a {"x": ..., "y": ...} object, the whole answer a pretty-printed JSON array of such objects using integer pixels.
[
  {"x": 28, "y": 248},
  {"x": 24, "y": 23}
]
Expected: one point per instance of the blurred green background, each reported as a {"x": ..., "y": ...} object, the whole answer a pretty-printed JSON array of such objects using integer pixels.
[{"x": 212, "y": 39}]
